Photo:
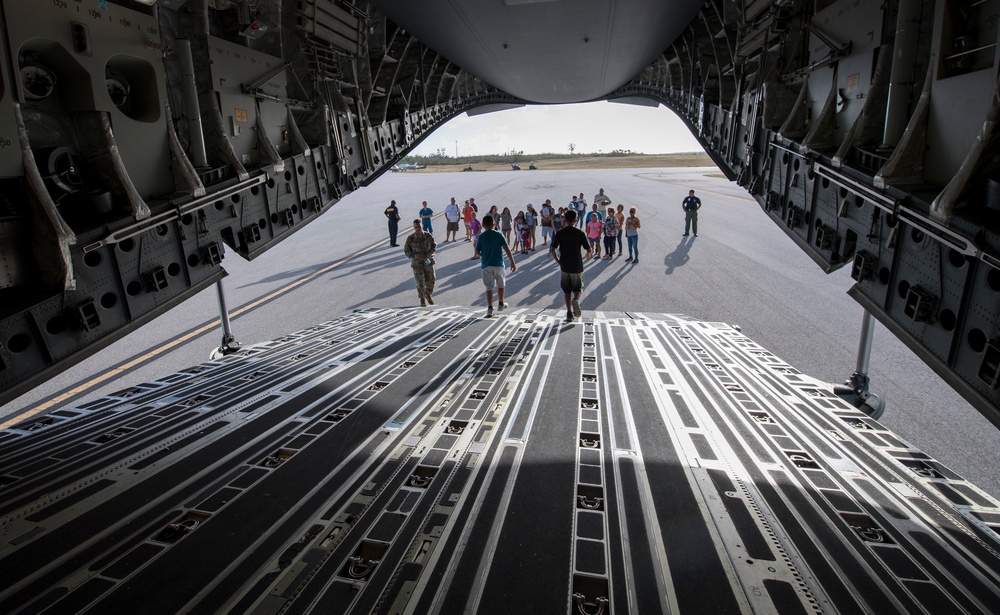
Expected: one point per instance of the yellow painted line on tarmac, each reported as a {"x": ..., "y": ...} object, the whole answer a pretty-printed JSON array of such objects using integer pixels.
[
  {"x": 97, "y": 380},
  {"x": 101, "y": 378}
]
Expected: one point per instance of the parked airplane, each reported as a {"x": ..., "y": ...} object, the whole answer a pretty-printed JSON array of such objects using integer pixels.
[{"x": 407, "y": 167}]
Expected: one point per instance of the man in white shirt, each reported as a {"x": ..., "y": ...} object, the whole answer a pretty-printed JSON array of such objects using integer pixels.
[
  {"x": 451, "y": 214},
  {"x": 602, "y": 200}
]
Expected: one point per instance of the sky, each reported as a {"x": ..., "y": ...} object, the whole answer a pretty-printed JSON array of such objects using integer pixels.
[{"x": 538, "y": 129}]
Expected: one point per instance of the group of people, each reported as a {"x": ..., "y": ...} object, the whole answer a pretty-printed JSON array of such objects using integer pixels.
[{"x": 569, "y": 245}]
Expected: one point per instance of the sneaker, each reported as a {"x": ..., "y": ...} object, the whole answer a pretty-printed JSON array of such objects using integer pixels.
[
  {"x": 569, "y": 316},
  {"x": 635, "y": 262},
  {"x": 489, "y": 312},
  {"x": 628, "y": 260},
  {"x": 576, "y": 308},
  {"x": 684, "y": 235},
  {"x": 501, "y": 306}
]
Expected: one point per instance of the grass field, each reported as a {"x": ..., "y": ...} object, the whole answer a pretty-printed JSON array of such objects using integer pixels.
[{"x": 586, "y": 162}]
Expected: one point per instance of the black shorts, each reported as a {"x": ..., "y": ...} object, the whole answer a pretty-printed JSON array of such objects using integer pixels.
[{"x": 571, "y": 282}]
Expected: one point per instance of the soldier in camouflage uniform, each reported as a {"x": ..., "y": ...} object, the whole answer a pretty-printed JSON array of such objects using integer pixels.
[{"x": 419, "y": 248}]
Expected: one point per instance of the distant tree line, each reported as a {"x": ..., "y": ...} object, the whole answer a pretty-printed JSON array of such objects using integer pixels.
[{"x": 441, "y": 157}]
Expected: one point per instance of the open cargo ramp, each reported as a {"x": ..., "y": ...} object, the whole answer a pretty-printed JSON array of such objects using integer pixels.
[{"x": 420, "y": 461}]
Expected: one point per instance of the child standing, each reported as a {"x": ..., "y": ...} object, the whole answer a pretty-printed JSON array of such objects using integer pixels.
[
  {"x": 524, "y": 232},
  {"x": 518, "y": 220},
  {"x": 531, "y": 218},
  {"x": 475, "y": 226},
  {"x": 594, "y": 230}
]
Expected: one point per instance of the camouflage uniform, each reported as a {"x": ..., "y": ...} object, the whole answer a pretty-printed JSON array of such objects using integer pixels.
[{"x": 422, "y": 272}]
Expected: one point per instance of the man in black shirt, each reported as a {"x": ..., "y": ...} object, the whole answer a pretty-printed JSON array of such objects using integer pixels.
[
  {"x": 691, "y": 205},
  {"x": 571, "y": 242},
  {"x": 392, "y": 214}
]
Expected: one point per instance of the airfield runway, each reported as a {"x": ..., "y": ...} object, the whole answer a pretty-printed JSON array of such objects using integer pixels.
[{"x": 741, "y": 270}]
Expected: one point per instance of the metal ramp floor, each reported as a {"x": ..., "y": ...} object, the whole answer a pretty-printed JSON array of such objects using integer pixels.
[{"x": 424, "y": 461}]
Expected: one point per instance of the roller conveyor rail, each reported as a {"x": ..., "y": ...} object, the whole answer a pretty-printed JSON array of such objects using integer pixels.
[{"x": 416, "y": 461}]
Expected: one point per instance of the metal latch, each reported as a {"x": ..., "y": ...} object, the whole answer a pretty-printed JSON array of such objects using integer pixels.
[{"x": 597, "y": 606}]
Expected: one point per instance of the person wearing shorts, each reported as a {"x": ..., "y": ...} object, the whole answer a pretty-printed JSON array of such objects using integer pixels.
[
  {"x": 567, "y": 249},
  {"x": 505, "y": 223},
  {"x": 467, "y": 212},
  {"x": 491, "y": 247},
  {"x": 595, "y": 228},
  {"x": 451, "y": 214},
  {"x": 425, "y": 217}
]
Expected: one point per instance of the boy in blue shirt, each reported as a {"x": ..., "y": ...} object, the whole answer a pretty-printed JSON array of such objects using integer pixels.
[
  {"x": 491, "y": 247},
  {"x": 425, "y": 218}
]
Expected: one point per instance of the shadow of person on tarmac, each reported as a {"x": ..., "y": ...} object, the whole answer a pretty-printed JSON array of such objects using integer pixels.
[{"x": 679, "y": 257}]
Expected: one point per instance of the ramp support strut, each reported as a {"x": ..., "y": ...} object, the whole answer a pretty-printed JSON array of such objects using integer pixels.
[
  {"x": 868, "y": 401},
  {"x": 229, "y": 343}
]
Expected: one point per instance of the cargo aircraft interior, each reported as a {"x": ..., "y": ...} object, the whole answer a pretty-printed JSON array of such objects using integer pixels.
[{"x": 421, "y": 460}]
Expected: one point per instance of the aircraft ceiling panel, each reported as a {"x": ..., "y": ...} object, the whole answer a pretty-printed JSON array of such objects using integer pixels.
[
  {"x": 852, "y": 75},
  {"x": 11, "y": 161},
  {"x": 101, "y": 62},
  {"x": 965, "y": 56},
  {"x": 234, "y": 67},
  {"x": 952, "y": 133},
  {"x": 543, "y": 52}
]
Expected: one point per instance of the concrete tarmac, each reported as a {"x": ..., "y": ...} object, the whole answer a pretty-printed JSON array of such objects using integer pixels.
[{"x": 741, "y": 269}]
